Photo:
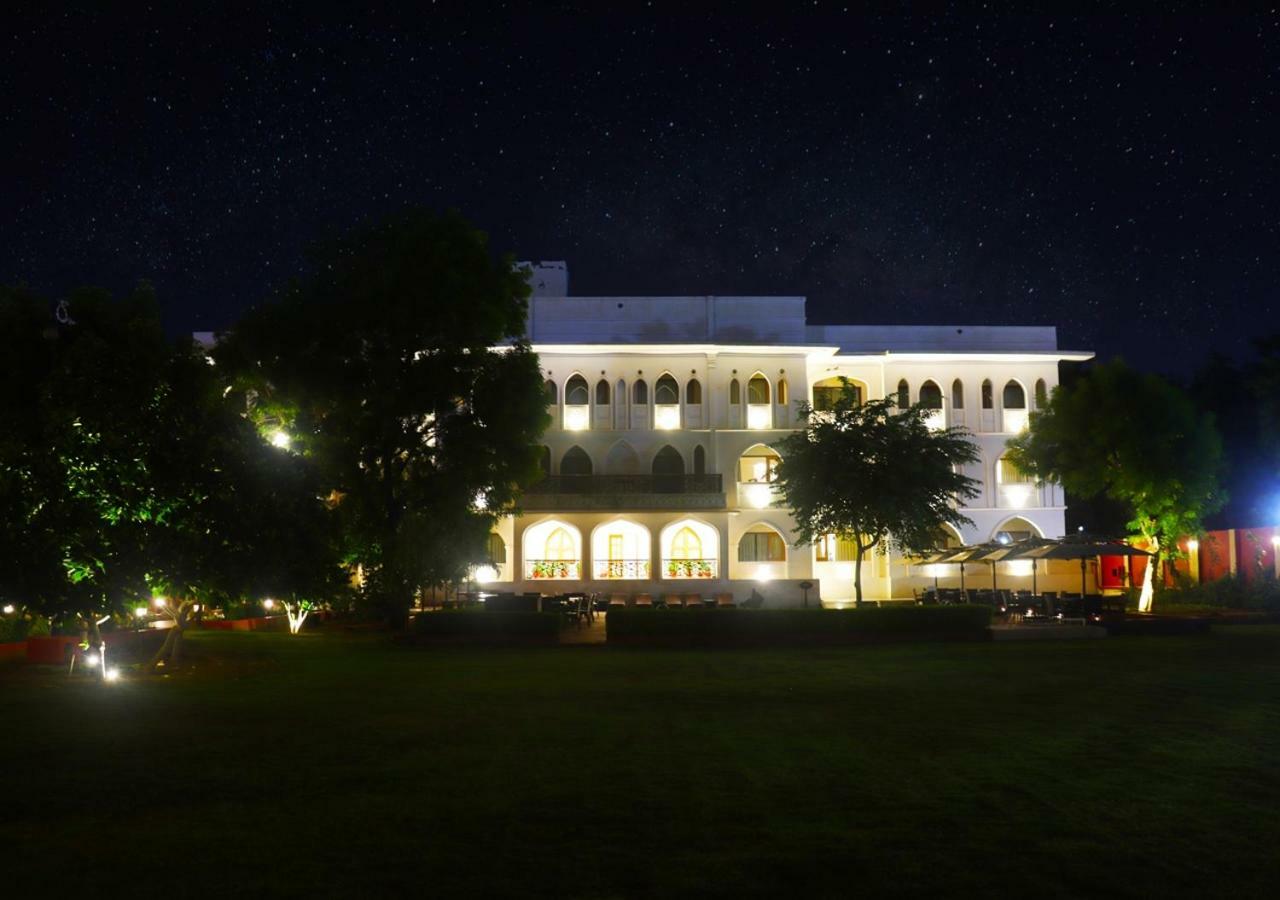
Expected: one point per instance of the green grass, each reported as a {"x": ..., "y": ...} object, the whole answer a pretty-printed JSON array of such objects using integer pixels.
[{"x": 329, "y": 766}]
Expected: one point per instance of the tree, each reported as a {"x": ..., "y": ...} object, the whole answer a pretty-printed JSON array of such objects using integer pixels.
[
  {"x": 1134, "y": 438},
  {"x": 874, "y": 475},
  {"x": 400, "y": 370},
  {"x": 124, "y": 472}
]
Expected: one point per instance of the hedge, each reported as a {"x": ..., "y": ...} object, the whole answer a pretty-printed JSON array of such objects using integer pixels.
[
  {"x": 467, "y": 623},
  {"x": 808, "y": 626}
]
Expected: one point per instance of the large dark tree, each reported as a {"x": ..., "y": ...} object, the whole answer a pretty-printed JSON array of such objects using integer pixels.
[
  {"x": 125, "y": 473},
  {"x": 874, "y": 475},
  {"x": 1136, "y": 439},
  {"x": 399, "y": 368}
]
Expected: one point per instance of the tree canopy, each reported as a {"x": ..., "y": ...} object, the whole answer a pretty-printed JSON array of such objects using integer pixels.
[
  {"x": 123, "y": 471},
  {"x": 400, "y": 369},
  {"x": 874, "y": 474},
  {"x": 1137, "y": 439}
]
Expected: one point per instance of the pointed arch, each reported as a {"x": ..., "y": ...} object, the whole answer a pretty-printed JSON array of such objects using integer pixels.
[
  {"x": 904, "y": 394},
  {"x": 602, "y": 393},
  {"x": 693, "y": 392},
  {"x": 622, "y": 459},
  {"x": 575, "y": 462},
  {"x": 551, "y": 549},
  {"x": 666, "y": 391},
  {"x": 620, "y": 549},
  {"x": 988, "y": 397},
  {"x": 758, "y": 389},
  {"x": 1015, "y": 528},
  {"x": 544, "y": 460},
  {"x": 1014, "y": 395},
  {"x": 957, "y": 394},
  {"x": 690, "y": 549},
  {"x": 784, "y": 396},
  {"x": 575, "y": 391},
  {"x": 1042, "y": 394},
  {"x": 640, "y": 392},
  {"x": 758, "y": 464},
  {"x": 668, "y": 461},
  {"x": 699, "y": 460},
  {"x": 762, "y": 542},
  {"x": 930, "y": 395},
  {"x": 735, "y": 392},
  {"x": 550, "y": 392},
  {"x": 828, "y": 392}
]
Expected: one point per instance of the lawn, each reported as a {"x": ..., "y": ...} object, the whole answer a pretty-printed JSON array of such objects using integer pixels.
[{"x": 339, "y": 766}]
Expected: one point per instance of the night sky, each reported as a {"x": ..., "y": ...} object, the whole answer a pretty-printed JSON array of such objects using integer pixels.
[{"x": 1115, "y": 176}]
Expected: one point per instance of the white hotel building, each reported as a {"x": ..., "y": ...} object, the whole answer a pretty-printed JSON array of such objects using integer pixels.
[{"x": 663, "y": 409}]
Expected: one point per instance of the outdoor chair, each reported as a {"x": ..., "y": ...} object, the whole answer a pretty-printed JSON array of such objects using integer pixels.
[
  {"x": 724, "y": 601},
  {"x": 645, "y": 600},
  {"x": 694, "y": 601},
  {"x": 672, "y": 601}
]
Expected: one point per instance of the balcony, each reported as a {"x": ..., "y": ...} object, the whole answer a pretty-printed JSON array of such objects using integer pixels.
[
  {"x": 586, "y": 492},
  {"x": 552, "y": 569},
  {"x": 620, "y": 569},
  {"x": 689, "y": 568}
]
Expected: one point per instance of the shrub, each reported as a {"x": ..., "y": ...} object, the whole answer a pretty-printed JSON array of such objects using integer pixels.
[
  {"x": 486, "y": 624},
  {"x": 781, "y": 626},
  {"x": 1231, "y": 592}
]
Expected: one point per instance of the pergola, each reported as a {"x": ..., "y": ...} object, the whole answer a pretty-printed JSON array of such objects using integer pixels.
[{"x": 1077, "y": 546}]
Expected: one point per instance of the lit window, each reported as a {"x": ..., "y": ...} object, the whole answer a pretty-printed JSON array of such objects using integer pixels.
[
  {"x": 559, "y": 546},
  {"x": 686, "y": 544}
]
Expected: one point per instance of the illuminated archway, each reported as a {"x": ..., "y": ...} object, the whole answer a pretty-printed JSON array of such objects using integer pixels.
[
  {"x": 620, "y": 550},
  {"x": 552, "y": 550},
  {"x": 690, "y": 549}
]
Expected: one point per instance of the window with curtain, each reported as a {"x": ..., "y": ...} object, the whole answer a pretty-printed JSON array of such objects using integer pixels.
[
  {"x": 761, "y": 546},
  {"x": 758, "y": 390}
]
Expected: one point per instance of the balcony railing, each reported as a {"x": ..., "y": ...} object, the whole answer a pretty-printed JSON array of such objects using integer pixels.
[
  {"x": 620, "y": 568},
  {"x": 689, "y": 568},
  {"x": 552, "y": 568}
]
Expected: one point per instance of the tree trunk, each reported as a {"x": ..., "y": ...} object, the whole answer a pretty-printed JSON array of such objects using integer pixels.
[
  {"x": 1148, "y": 577},
  {"x": 857, "y": 575},
  {"x": 170, "y": 652}
]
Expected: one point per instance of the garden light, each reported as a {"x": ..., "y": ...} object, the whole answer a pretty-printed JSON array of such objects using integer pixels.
[
  {"x": 158, "y": 602},
  {"x": 1193, "y": 545},
  {"x": 112, "y": 674},
  {"x": 484, "y": 574},
  {"x": 8, "y": 609},
  {"x": 89, "y": 659},
  {"x": 280, "y": 439},
  {"x": 140, "y": 611},
  {"x": 268, "y": 603}
]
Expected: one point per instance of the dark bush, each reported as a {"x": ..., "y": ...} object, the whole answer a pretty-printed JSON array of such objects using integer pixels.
[
  {"x": 487, "y": 624},
  {"x": 783, "y": 626},
  {"x": 1231, "y": 592}
]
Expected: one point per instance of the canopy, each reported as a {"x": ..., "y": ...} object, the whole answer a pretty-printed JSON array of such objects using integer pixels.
[{"x": 1076, "y": 546}]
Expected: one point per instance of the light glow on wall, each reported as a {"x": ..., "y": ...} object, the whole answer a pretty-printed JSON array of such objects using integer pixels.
[
  {"x": 1015, "y": 420},
  {"x": 484, "y": 574},
  {"x": 1020, "y": 567},
  {"x": 577, "y": 418},
  {"x": 758, "y": 495},
  {"x": 936, "y": 420},
  {"x": 759, "y": 415},
  {"x": 666, "y": 417},
  {"x": 1016, "y": 496}
]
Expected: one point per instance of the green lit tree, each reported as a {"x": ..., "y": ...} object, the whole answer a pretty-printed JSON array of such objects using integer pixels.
[
  {"x": 399, "y": 370},
  {"x": 1135, "y": 439},
  {"x": 874, "y": 475}
]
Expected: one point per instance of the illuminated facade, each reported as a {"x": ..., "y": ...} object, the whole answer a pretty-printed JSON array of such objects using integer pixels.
[{"x": 658, "y": 460}]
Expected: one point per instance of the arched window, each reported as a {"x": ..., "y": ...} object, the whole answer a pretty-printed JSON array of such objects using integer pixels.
[
  {"x": 904, "y": 394},
  {"x": 575, "y": 462},
  {"x": 758, "y": 464},
  {"x": 545, "y": 460},
  {"x": 783, "y": 398},
  {"x": 575, "y": 391},
  {"x": 559, "y": 546},
  {"x": 686, "y": 544},
  {"x": 699, "y": 460},
  {"x": 762, "y": 544},
  {"x": 668, "y": 461},
  {"x": 1013, "y": 396},
  {"x": 828, "y": 392},
  {"x": 693, "y": 392},
  {"x": 930, "y": 396},
  {"x": 735, "y": 392},
  {"x": 550, "y": 389},
  {"x": 988, "y": 398},
  {"x": 1008, "y": 472},
  {"x": 622, "y": 460},
  {"x": 666, "y": 392},
  {"x": 1042, "y": 394},
  {"x": 496, "y": 551},
  {"x": 602, "y": 393},
  {"x": 640, "y": 392},
  {"x": 957, "y": 394},
  {"x": 758, "y": 390}
]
